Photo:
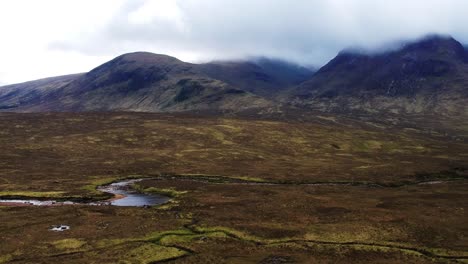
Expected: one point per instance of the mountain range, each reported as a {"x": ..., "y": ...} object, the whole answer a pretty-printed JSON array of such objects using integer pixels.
[{"x": 427, "y": 76}]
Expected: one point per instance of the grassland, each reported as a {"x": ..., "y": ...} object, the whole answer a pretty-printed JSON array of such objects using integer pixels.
[{"x": 328, "y": 190}]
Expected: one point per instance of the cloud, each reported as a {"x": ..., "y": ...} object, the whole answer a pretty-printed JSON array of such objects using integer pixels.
[{"x": 310, "y": 32}]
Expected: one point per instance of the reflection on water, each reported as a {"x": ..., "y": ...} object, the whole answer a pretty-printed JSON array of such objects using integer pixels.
[
  {"x": 132, "y": 198},
  {"x": 126, "y": 196}
]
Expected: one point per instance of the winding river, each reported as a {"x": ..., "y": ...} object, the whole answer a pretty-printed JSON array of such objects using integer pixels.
[
  {"x": 127, "y": 196},
  {"x": 124, "y": 195}
]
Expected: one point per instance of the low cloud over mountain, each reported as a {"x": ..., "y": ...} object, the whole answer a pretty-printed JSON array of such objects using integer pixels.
[{"x": 74, "y": 36}]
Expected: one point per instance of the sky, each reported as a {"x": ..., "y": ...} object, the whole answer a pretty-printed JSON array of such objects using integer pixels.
[{"x": 56, "y": 37}]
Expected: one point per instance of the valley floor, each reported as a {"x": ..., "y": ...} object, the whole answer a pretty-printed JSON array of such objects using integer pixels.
[{"x": 328, "y": 190}]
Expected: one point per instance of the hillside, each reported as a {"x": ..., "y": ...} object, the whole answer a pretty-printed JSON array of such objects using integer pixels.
[
  {"x": 148, "y": 82},
  {"x": 14, "y": 96},
  {"x": 261, "y": 76},
  {"x": 141, "y": 82},
  {"x": 426, "y": 76}
]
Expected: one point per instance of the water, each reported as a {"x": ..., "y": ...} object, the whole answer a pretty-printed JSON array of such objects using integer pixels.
[
  {"x": 125, "y": 196},
  {"x": 132, "y": 197},
  {"x": 35, "y": 202}
]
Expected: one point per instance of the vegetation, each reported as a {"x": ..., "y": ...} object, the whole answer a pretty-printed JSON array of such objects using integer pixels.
[{"x": 244, "y": 190}]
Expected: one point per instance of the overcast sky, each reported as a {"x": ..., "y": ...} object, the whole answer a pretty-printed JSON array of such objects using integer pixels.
[{"x": 55, "y": 37}]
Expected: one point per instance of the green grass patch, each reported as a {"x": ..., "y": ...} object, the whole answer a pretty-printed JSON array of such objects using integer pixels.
[
  {"x": 218, "y": 178},
  {"x": 150, "y": 253},
  {"x": 249, "y": 179},
  {"x": 166, "y": 192},
  {"x": 55, "y": 194},
  {"x": 68, "y": 244},
  {"x": 157, "y": 236},
  {"x": 6, "y": 258},
  {"x": 91, "y": 188},
  {"x": 230, "y": 233}
]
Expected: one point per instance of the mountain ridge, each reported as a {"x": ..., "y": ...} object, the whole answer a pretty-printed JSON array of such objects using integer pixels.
[
  {"x": 426, "y": 76},
  {"x": 429, "y": 75}
]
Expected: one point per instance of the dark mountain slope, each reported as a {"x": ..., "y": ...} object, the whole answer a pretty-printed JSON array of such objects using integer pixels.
[
  {"x": 430, "y": 75},
  {"x": 145, "y": 82},
  {"x": 15, "y": 95},
  {"x": 261, "y": 76}
]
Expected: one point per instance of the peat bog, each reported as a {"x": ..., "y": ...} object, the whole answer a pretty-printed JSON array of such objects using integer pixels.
[{"x": 242, "y": 190}]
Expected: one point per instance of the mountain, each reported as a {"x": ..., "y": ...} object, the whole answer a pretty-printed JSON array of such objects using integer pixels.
[
  {"x": 16, "y": 95},
  {"x": 262, "y": 76},
  {"x": 138, "y": 81},
  {"x": 426, "y": 76}
]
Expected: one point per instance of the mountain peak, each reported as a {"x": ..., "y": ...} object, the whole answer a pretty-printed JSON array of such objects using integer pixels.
[
  {"x": 437, "y": 44},
  {"x": 143, "y": 63},
  {"x": 147, "y": 57},
  {"x": 435, "y": 39}
]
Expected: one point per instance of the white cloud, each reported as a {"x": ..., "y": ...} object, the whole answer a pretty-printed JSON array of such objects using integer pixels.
[
  {"x": 28, "y": 28},
  {"x": 52, "y": 37}
]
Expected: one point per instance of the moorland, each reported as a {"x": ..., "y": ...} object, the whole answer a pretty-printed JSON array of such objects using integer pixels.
[
  {"x": 242, "y": 190},
  {"x": 263, "y": 161}
]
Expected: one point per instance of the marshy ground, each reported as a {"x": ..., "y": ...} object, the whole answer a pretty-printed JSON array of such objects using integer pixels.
[{"x": 325, "y": 190}]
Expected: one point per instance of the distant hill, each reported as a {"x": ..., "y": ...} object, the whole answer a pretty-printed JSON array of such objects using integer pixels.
[
  {"x": 425, "y": 76},
  {"x": 138, "y": 81},
  {"x": 261, "y": 76},
  {"x": 428, "y": 76},
  {"x": 150, "y": 82},
  {"x": 13, "y": 97}
]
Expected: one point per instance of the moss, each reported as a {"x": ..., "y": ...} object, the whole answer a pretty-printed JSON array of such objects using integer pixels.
[
  {"x": 230, "y": 233},
  {"x": 167, "y": 206},
  {"x": 177, "y": 239},
  {"x": 188, "y": 238},
  {"x": 167, "y": 192},
  {"x": 219, "y": 178},
  {"x": 249, "y": 179},
  {"x": 91, "y": 187},
  {"x": 150, "y": 253},
  {"x": 152, "y": 247},
  {"x": 70, "y": 243},
  {"x": 157, "y": 236},
  {"x": 6, "y": 258},
  {"x": 33, "y": 194}
]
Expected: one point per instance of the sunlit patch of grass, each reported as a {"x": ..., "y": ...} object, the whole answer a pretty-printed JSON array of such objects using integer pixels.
[
  {"x": 69, "y": 244},
  {"x": 218, "y": 178},
  {"x": 167, "y": 192},
  {"x": 180, "y": 239},
  {"x": 149, "y": 249},
  {"x": 150, "y": 253},
  {"x": 249, "y": 179},
  {"x": 92, "y": 186},
  {"x": 158, "y": 236},
  {"x": 229, "y": 232},
  {"x": 55, "y": 194},
  {"x": 6, "y": 258},
  {"x": 168, "y": 205}
]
